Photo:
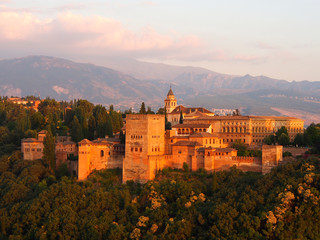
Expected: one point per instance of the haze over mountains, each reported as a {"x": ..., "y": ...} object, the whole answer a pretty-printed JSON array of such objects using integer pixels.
[{"x": 126, "y": 83}]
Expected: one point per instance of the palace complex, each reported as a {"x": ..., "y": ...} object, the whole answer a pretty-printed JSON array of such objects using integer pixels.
[{"x": 203, "y": 140}]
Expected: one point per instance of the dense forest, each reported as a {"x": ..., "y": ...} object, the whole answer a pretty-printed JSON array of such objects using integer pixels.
[
  {"x": 79, "y": 118},
  {"x": 178, "y": 204},
  {"x": 39, "y": 203}
]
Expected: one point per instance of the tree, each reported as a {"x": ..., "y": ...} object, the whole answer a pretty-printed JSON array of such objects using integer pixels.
[
  {"x": 92, "y": 127},
  {"x": 215, "y": 185},
  {"x": 161, "y": 111},
  {"x": 149, "y": 111},
  {"x": 181, "y": 118},
  {"x": 281, "y": 130},
  {"x": 142, "y": 109},
  {"x": 49, "y": 150},
  {"x": 282, "y": 136},
  {"x": 284, "y": 139},
  {"x": 76, "y": 130},
  {"x": 269, "y": 140},
  {"x": 299, "y": 140}
]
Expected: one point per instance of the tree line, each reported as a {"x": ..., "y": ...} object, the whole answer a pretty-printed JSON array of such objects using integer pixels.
[
  {"x": 309, "y": 138},
  {"x": 178, "y": 204}
]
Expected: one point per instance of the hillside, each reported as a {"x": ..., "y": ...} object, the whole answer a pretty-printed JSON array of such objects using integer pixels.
[
  {"x": 126, "y": 83},
  {"x": 284, "y": 204},
  {"x": 65, "y": 80}
]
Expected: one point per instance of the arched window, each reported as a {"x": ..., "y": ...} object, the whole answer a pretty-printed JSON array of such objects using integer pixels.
[{"x": 101, "y": 153}]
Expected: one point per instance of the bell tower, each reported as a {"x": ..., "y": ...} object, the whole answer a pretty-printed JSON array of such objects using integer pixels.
[{"x": 170, "y": 103}]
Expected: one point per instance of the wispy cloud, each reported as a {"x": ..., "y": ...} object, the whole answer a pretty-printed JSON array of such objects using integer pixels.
[
  {"x": 70, "y": 7},
  {"x": 265, "y": 45},
  {"x": 94, "y": 34},
  {"x": 147, "y": 3}
]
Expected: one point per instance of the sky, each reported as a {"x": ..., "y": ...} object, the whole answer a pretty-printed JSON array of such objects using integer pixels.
[{"x": 274, "y": 38}]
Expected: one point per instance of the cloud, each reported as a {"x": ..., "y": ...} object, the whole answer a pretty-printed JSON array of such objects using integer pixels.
[
  {"x": 147, "y": 3},
  {"x": 266, "y": 46},
  {"x": 70, "y": 34},
  {"x": 91, "y": 34},
  {"x": 69, "y": 7},
  {"x": 21, "y": 26}
]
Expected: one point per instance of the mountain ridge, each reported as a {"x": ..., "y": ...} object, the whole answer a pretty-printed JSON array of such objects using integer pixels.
[{"x": 66, "y": 80}]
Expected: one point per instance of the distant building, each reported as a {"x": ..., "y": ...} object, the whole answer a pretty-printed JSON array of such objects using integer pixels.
[
  {"x": 102, "y": 153},
  {"x": 174, "y": 112},
  {"x": 32, "y": 148},
  {"x": 201, "y": 141},
  {"x": 26, "y": 103},
  {"x": 66, "y": 152},
  {"x": 247, "y": 129}
]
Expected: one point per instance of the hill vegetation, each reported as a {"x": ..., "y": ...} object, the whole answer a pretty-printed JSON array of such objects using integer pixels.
[{"x": 283, "y": 204}]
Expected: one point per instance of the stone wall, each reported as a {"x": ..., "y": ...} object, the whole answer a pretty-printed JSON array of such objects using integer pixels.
[{"x": 96, "y": 156}]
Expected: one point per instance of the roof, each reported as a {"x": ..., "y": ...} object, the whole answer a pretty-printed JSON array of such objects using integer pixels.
[
  {"x": 113, "y": 140},
  {"x": 66, "y": 143},
  {"x": 275, "y": 117},
  {"x": 101, "y": 140},
  {"x": 187, "y": 143},
  {"x": 202, "y": 134},
  {"x": 192, "y": 125},
  {"x": 187, "y": 110},
  {"x": 195, "y": 114},
  {"x": 30, "y": 140},
  {"x": 43, "y": 132},
  {"x": 216, "y": 149},
  {"x": 180, "y": 137},
  {"x": 224, "y": 149},
  {"x": 245, "y": 118},
  {"x": 170, "y": 93},
  {"x": 85, "y": 141}
]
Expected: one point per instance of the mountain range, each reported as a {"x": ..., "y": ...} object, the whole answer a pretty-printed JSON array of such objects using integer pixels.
[{"x": 126, "y": 83}]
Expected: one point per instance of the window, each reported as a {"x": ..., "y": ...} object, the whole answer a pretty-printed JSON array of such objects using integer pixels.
[
  {"x": 101, "y": 153},
  {"x": 141, "y": 149}
]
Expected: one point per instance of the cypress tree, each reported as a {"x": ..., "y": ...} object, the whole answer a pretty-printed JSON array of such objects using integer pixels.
[
  {"x": 181, "y": 118},
  {"x": 49, "y": 150},
  {"x": 143, "y": 109},
  {"x": 76, "y": 130},
  {"x": 215, "y": 185}
]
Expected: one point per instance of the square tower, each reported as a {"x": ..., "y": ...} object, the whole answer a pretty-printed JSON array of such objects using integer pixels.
[{"x": 144, "y": 144}]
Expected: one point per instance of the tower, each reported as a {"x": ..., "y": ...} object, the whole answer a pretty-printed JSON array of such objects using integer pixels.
[
  {"x": 144, "y": 146},
  {"x": 170, "y": 102}
]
